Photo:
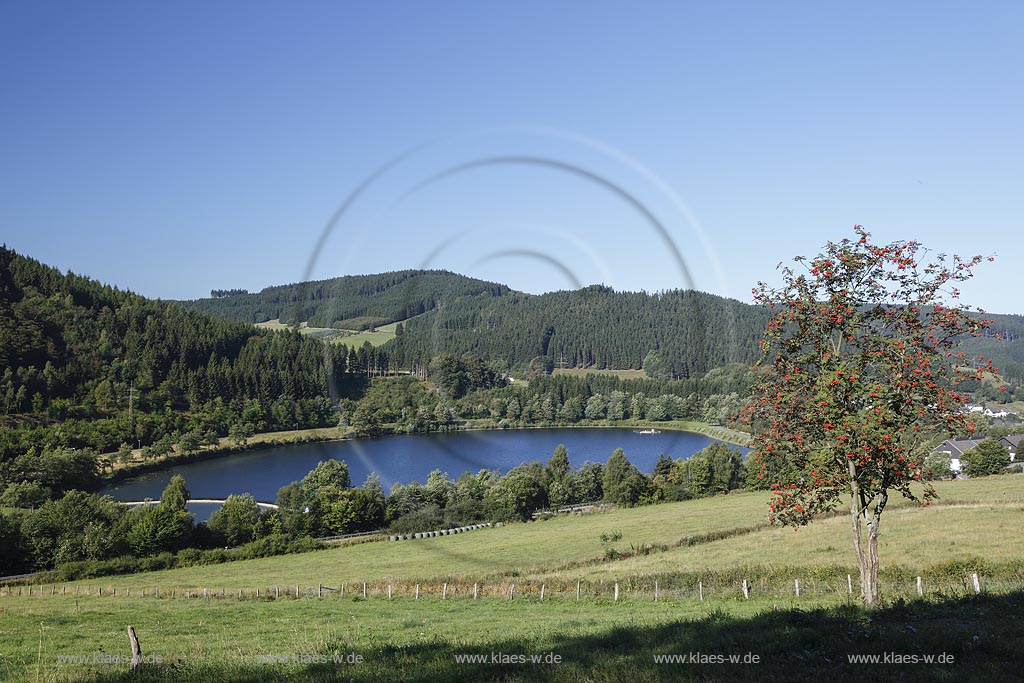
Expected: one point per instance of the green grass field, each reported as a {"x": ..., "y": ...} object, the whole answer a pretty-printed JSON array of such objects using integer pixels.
[
  {"x": 716, "y": 541},
  {"x": 379, "y": 336},
  {"x": 428, "y": 640}
]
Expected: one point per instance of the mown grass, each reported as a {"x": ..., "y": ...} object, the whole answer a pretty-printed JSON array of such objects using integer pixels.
[
  {"x": 717, "y": 542},
  {"x": 381, "y": 335},
  {"x": 794, "y": 640},
  {"x": 975, "y": 518},
  {"x": 493, "y": 552}
]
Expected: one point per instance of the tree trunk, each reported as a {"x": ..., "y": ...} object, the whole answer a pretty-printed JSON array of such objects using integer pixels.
[
  {"x": 871, "y": 598},
  {"x": 867, "y": 558}
]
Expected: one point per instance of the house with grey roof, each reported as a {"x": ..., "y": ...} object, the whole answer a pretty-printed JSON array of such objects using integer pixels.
[{"x": 956, "y": 448}]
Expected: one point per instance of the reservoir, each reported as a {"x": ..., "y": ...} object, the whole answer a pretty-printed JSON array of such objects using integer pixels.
[{"x": 405, "y": 458}]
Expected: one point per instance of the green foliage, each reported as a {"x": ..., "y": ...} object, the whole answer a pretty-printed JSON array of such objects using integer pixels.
[
  {"x": 175, "y": 494},
  {"x": 988, "y": 457},
  {"x": 938, "y": 466},
  {"x": 151, "y": 529},
  {"x": 94, "y": 369},
  {"x": 24, "y": 494},
  {"x": 457, "y": 375},
  {"x": 714, "y": 469},
  {"x": 327, "y": 473},
  {"x": 860, "y": 371},
  {"x": 237, "y": 521},
  {"x": 77, "y": 526}
]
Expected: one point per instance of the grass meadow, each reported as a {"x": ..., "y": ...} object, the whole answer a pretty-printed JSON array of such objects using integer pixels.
[{"x": 697, "y": 552}]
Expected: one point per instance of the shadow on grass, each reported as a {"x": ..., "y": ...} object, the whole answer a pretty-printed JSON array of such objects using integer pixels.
[{"x": 983, "y": 635}]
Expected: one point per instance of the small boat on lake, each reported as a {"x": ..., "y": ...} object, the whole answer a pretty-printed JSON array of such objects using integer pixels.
[{"x": 646, "y": 431}]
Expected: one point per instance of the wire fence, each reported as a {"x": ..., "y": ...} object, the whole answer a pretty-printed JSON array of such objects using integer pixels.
[{"x": 631, "y": 590}]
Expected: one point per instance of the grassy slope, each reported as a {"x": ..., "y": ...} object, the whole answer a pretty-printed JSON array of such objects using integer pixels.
[
  {"x": 983, "y": 522},
  {"x": 418, "y": 641},
  {"x": 219, "y": 639},
  {"x": 381, "y": 335}
]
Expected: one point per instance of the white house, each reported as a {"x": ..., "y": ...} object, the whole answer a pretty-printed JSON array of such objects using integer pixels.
[{"x": 956, "y": 448}]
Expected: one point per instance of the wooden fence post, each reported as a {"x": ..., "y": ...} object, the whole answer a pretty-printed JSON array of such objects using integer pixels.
[
  {"x": 364, "y": 589},
  {"x": 746, "y": 593},
  {"x": 577, "y": 590},
  {"x": 920, "y": 589},
  {"x": 277, "y": 592},
  {"x": 296, "y": 590},
  {"x": 319, "y": 590},
  {"x": 444, "y": 592},
  {"x": 417, "y": 591},
  {"x": 542, "y": 592},
  {"x": 616, "y": 591},
  {"x": 655, "y": 591},
  {"x": 475, "y": 586},
  {"x": 512, "y": 592},
  {"x": 796, "y": 587},
  {"x": 136, "y": 648},
  {"x": 389, "y": 591},
  {"x": 977, "y": 584},
  {"x": 849, "y": 584},
  {"x": 700, "y": 590}
]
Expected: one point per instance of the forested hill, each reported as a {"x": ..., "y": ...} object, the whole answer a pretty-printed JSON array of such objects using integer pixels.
[
  {"x": 84, "y": 364},
  {"x": 349, "y": 302},
  {"x": 689, "y": 332}
]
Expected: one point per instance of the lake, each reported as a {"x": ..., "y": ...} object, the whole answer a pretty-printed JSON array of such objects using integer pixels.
[{"x": 405, "y": 458}]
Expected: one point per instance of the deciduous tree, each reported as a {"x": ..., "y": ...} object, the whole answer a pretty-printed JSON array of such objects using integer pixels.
[{"x": 859, "y": 369}]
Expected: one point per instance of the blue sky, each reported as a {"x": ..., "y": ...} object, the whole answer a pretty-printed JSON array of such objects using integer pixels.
[{"x": 176, "y": 148}]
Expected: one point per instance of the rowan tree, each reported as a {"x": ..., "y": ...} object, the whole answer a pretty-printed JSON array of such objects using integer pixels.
[{"x": 859, "y": 369}]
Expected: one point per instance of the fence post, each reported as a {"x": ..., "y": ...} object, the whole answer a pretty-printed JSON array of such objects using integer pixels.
[
  {"x": 444, "y": 592},
  {"x": 542, "y": 592},
  {"x": 616, "y": 591},
  {"x": 849, "y": 584},
  {"x": 474, "y": 590},
  {"x": 920, "y": 590},
  {"x": 512, "y": 592},
  {"x": 136, "y": 648},
  {"x": 319, "y": 590},
  {"x": 296, "y": 590},
  {"x": 655, "y": 591},
  {"x": 364, "y": 589},
  {"x": 746, "y": 593},
  {"x": 417, "y": 591},
  {"x": 577, "y": 590},
  {"x": 277, "y": 592},
  {"x": 977, "y": 585},
  {"x": 389, "y": 591},
  {"x": 700, "y": 590},
  {"x": 796, "y": 587}
]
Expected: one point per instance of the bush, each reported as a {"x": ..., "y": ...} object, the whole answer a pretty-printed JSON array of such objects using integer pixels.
[{"x": 425, "y": 519}]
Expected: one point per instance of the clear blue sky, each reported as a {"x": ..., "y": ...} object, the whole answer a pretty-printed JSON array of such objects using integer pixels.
[{"x": 176, "y": 148}]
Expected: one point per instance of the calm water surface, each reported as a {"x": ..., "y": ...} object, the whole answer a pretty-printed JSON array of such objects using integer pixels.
[{"x": 405, "y": 458}]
